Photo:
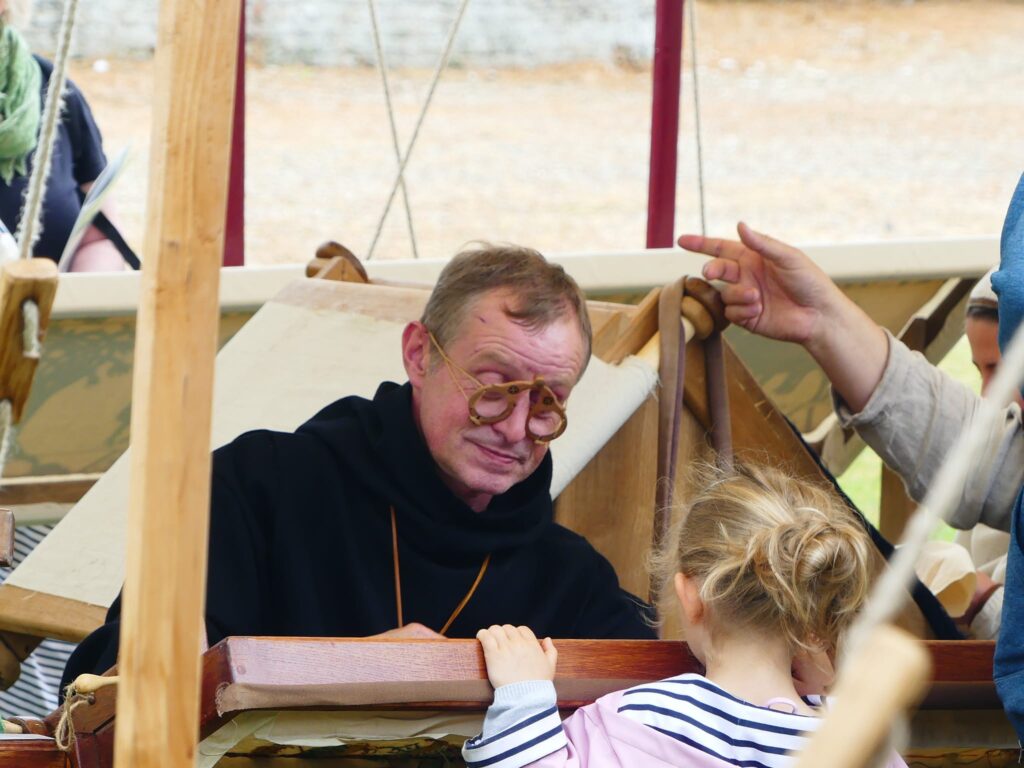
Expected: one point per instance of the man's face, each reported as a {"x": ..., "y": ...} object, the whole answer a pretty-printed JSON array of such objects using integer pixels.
[{"x": 479, "y": 462}]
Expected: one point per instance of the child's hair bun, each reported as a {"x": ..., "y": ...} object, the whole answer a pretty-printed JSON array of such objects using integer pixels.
[{"x": 772, "y": 552}]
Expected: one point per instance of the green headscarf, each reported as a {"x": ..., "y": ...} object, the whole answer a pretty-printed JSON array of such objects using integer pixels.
[{"x": 20, "y": 103}]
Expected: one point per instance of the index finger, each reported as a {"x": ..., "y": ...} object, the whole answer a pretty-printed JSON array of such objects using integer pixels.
[{"x": 709, "y": 246}]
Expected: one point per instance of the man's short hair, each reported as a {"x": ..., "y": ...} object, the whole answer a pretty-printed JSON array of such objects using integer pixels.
[{"x": 545, "y": 293}]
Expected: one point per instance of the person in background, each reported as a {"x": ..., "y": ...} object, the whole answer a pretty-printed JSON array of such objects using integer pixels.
[
  {"x": 987, "y": 546},
  {"x": 78, "y": 155},
  {"x": 761, "y": 567}
]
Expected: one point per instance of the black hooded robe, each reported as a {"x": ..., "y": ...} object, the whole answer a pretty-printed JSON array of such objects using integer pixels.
[{"x": 300, "y": 542}]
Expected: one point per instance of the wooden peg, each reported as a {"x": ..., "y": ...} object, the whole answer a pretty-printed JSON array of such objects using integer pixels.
[
  {"x": 22, "y": 281},
  {"x": 336, "y": 262}
]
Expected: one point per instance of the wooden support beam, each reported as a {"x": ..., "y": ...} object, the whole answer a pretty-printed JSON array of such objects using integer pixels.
[
  {"x": 35, "y": 489},
  {"x": 20, "y": 282},
  {"x": 176, "y": 342}
]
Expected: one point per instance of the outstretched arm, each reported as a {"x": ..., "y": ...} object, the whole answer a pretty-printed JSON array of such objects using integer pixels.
[{"x": 775, "y": 290}]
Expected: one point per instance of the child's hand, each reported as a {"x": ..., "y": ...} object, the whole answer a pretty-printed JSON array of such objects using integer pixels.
[{"x": 514, "y": 655}]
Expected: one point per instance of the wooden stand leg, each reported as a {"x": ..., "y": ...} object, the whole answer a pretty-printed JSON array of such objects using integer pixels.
[{"x": 176, "y": 342}]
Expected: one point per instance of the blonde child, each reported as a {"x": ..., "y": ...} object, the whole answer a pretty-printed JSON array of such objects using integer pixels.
[{"x": 762, "y": 567}]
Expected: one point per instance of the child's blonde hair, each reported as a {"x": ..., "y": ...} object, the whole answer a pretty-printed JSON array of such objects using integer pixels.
[{"x": 771, "y": 553}]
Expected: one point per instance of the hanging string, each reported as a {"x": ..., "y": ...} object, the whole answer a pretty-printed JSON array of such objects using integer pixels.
[
  {"x": 30, "y": 345},
  {"x": 691, "y": 9},
  {"x": 32, "y": 213},
  {"x": 382, "y": 65},
  {"x": 442, "y": 64}
]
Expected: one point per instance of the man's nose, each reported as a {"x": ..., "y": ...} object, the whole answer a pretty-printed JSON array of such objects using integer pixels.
[{"x": 513, "y": 427}]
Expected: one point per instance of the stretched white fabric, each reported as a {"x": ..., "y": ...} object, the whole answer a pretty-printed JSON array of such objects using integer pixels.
[{"x": 289, "y": 361}]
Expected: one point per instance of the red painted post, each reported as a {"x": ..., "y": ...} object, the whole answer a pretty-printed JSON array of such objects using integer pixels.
[
  {"x": 234, "y": 233},
  {"x": 668, "y": 57}
]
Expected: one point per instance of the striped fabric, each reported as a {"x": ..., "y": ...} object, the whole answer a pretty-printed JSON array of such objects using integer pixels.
[
  {"x": 696, "y": 712},
  {"x": 685, "y": 720},
  {"x": 523, "y": 743},
  {"x": 35, "y": 691}
]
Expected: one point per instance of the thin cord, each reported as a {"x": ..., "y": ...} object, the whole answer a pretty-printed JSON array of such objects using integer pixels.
[
  {"x": 398, "y": 573},
  {"x": 31, "y": 217},
  {"x": 6, "y": 431},
  {"x": 382, "y": 65},
  {"x": 691, "y": 7},
  {"x": 472, "y": 589},
  {"x": 442, "y": 64},
  {"x": 398, "y": 580}
]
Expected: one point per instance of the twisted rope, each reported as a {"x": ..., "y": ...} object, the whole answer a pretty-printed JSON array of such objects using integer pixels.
[
  {"x": 6, "y": 432},
  {"x": 442, "y": 64},
  {"x": 82, "y": 690},
  {"x": 382, "y": 65},
  {"x": 30, "y": 345},
  {"x": 31, "y": 217},
  {"x": 691, "y": 9}
]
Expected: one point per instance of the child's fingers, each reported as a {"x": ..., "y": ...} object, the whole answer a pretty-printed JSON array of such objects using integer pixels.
[
  {"x": 490, "y": 638},
  {"x": 550, "y": 651},
  {"x": 509, "y": 634},
  {"x": 526, "y": 634}
]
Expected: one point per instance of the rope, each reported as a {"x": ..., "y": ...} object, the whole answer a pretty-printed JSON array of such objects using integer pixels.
[
  {"x": 31, "y": 217},
  {"x": 383, "y": 66},
  {"x": 6, "y": 432},
  {"x": 81, "y": 691},
  {"x": 891, "y": 590},
  {"x": 31, "y": 348},
  {"x": 442, "y": 64},
  {"x": 691, "y": 10}
]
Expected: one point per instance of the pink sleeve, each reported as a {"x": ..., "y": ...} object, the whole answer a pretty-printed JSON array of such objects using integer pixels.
[{"x": 587, "y": 744}]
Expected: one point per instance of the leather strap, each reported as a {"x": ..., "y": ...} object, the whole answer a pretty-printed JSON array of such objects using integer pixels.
[
  {"x": 672, "y": 372},
  {"x": 702, "y": 305},
  {"x": 106, "y": 226}
]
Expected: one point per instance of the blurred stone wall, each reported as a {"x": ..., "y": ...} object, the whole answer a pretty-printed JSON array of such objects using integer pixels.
[{"x": 498, "y": 33}]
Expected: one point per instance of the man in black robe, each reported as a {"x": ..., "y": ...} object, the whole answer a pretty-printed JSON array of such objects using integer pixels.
[{"x": 426, "y": 509}]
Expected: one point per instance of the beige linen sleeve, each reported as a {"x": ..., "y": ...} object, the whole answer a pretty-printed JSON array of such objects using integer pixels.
[{"x": 912, "y": 419}]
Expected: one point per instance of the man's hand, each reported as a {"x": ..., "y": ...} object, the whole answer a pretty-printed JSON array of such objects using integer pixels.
[
  {"x": 771, "y": 288},
  {"x": 412, "y": 630},
  {"x": 514, "y": 655},
  {"x": 775, "y": 290}
]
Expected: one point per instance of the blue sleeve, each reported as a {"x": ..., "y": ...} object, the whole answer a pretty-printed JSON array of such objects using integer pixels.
[
  {"x": 1009, "y": 659},
  {"x": 521, "y": 726}
]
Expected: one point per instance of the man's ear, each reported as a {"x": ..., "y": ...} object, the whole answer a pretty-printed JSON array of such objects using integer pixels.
[
  {"x": 688, "y": 591},
  {"x": 416, "y": 352}
]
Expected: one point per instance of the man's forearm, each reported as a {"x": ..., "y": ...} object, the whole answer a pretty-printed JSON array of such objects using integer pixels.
[{"x": 852, "y": 350}]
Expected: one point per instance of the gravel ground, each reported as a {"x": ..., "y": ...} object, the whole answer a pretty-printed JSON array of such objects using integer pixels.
[{"x": 821, "y": 121}]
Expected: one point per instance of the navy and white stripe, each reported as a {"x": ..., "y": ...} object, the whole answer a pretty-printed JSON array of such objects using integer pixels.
[
  {"x": 523, "y": 725},
  {"x": 35, "y": 691},
  {"x": 696, "y": 712}
]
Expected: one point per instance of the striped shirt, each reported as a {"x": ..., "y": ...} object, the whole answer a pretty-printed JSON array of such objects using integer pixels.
[
  {"x": 685, "y": 720},
  {"x": 35, "y": 691}
]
